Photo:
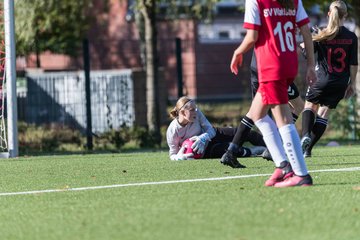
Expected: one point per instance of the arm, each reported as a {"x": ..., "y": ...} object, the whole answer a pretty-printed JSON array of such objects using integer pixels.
[
  {"x": 309, "y": 49},
  {"x": 176, "y": 153},
  {"x": 172, "y": 141},
  {"x": 353, "y": 72},
  {"x": 353, "y": 57},
  {"x": 208, "y": 133},
  {"x": 206, "y": 125},
  {"x": 248, "y": 42},
  {"x": 351, "y": 89},
  {"x": 303, "y": 50}
]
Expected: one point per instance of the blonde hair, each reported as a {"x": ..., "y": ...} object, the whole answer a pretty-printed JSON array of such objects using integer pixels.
[
  {"x": 180, "y": 104},
  {"x": 338, "y": 11},
  {"x": 288, "y": 4}
]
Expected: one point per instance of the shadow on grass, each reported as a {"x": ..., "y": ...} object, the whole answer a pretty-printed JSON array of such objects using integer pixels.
[
  {"x": 86, "y": 152},
  {"x": 352, "y": 184},
  {"x": 334, "y": 155},
  {"x": 334, "y": 164}
]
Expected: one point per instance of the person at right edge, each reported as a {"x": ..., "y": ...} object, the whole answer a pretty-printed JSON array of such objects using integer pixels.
[
  {"x": 271, "y": 27},
  {"x": 336, "y": 49}
]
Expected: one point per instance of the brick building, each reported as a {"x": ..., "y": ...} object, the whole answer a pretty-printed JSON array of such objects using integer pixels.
[{"x": 206, "y": 51}]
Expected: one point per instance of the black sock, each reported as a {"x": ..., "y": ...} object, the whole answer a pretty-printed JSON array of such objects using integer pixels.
[
  {"x": 308, "y": 120},
  {"x": 241, "y": 134},
  {"x": 317, "y": 131}
]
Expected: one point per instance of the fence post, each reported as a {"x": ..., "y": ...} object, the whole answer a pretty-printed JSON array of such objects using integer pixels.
[
  {"x": 179, "y": 67},
  {"x": 86, "y": 57}
]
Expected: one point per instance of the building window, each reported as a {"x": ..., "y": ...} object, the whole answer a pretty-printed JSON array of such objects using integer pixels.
[{"x": 224, "y": 35}]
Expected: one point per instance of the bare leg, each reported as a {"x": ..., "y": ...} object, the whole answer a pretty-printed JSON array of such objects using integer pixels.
[{"x": 297, "y": 105}]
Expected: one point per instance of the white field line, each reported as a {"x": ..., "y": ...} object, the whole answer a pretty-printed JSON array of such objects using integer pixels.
[{"x": 164, "y": 182}]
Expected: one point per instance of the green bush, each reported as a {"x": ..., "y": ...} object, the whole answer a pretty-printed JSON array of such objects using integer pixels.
[
  {"x": 45, "y": 138},
  {"x": 344, "y": 120},
  {"x": 145, "y": 138},
  {"x": 114, "y": 139},
  {"x": 58, "y": 138},
  {"x": 53, "y": 137}
]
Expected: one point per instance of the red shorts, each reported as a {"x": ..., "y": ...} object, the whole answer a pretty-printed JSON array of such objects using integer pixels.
[{"x": 275, "y": 92}]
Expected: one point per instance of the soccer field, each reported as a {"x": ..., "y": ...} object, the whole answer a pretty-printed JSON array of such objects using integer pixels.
[{"x": 147, "y": 196}]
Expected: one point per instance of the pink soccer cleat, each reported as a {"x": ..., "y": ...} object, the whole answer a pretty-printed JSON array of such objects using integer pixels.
[
  {"x": 294, "y": 181},
  {"x": 280, "y": 174}
]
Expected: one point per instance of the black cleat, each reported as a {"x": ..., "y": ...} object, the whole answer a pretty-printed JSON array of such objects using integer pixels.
[
  {"x": 307, "y": 153},
  {"x": 305, "y": 143},
  {"x": 229, "y": 159},
  {"x": 266, "y": 155}
]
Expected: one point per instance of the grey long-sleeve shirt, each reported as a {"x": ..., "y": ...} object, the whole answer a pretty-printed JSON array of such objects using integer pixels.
[{"x": 177, "y": 134}]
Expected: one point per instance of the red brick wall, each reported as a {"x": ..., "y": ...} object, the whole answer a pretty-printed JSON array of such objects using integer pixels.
[{"x": 214, "y": 79}]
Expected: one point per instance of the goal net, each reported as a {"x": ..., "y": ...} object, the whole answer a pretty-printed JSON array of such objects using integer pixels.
[
  {"x": 8, "y": 101},
  {"x": 3, "y": 133}
]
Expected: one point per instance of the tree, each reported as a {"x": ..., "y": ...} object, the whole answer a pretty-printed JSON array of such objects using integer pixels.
[
  {"x": 58, "y": 26},
  {"x": 194, "y": 8},
  {"x": 148, "y": 10},
  {"x": 354, "y": 7}
]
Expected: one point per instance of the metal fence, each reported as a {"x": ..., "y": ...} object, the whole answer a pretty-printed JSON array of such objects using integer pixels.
[{"x": 59, "y": 97}]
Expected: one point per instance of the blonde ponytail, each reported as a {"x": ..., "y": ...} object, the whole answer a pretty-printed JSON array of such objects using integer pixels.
[
  {"x": 174, "y": 113},
  {"x": 338, "y": 11}
]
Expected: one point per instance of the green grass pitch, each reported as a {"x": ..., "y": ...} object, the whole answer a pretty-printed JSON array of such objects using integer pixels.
[{"x": 223, "y": 208}]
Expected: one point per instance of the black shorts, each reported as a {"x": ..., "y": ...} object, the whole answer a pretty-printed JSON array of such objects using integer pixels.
[
  {"x": 293, "y": 91},
  {"x": 326, "y": 93}
]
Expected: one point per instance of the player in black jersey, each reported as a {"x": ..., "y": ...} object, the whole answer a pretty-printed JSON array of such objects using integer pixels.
[{"x": 336, "y": 48}]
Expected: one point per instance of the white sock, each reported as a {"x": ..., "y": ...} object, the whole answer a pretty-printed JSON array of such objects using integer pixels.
[
  {"x": 291, "y": 140},
  {"x": 272, "y": 139}
]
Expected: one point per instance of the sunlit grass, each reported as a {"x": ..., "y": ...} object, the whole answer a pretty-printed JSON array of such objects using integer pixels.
[{"x": 228, "y": 209}]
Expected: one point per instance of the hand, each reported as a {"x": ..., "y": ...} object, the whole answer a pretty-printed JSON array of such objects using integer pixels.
[
  {"x": 236, "y": 62},
  {"x": 311, "y": 76},
  {"x": 181, "y": 155},
  {"x": 200, "y": 142},
  {"x": 315, "y": 30}
]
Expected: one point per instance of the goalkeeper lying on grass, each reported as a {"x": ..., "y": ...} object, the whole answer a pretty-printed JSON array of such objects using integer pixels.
[{"x": 190, "y": 135}]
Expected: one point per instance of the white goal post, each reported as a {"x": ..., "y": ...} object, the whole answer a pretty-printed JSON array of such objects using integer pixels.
[{"x": 12, "y": 149}]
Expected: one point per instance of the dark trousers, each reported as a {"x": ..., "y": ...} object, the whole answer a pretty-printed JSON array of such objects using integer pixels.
[{"x": 219, "y": 144}]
